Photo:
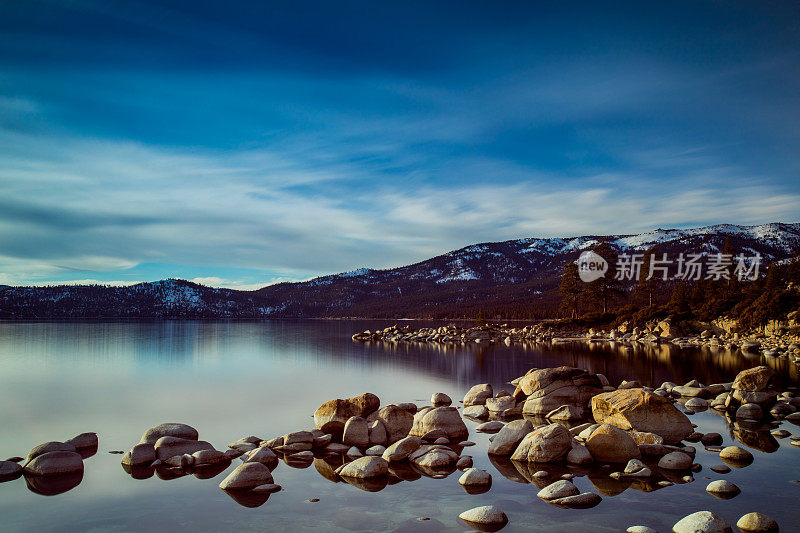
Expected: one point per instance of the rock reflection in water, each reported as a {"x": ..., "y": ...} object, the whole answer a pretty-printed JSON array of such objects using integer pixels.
[{"x": 53, "y": 485}]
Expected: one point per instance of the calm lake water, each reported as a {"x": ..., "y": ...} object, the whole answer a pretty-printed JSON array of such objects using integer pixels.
[{"x": 234, "y": 379}]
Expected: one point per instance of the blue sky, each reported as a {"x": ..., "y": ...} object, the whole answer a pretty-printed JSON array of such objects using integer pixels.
[{"x": 240, "y": 144}]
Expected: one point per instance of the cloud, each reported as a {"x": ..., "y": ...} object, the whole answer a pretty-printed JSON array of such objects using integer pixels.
[{"x": 105, "y": 207}]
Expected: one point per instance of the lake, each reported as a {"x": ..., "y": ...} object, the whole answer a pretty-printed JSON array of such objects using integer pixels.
[{"x": 265, "y": 378}]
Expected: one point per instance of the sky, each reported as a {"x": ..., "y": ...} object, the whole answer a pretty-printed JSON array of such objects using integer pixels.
[{"x": 240, "y": 144}]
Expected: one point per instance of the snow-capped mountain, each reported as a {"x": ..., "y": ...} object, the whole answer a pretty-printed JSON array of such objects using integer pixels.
[{"x": 499, "y": 276}]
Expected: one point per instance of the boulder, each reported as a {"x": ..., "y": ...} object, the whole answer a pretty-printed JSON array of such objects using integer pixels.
[
  {"x": 578, "y": 501},
  {"x": 509, "y": 437},
  {"x": 722, "y": 488},
  {"x": 447, "y": 419},
  {"x": 610, "y": 444},
  {"x": 57, "y": 463},
  {"x": 757, "y": 522},
  {"x": 560, "y": 489},
  {"x": 754, "y": 379},
  {"x": 169, "y": 429},
  {"x": 167, "y": 447},
  {"x": 401, "y": 449},
  {"x": 141, "y": 454},
  {"x": 261, "y": 455},
  {"x": 9, "y": 470},
  {"x": 366, "y": 467},
  {"x": 566, "y": 413},
  {"x": 642, "y": 411},
  {"x": 356, "y": 432},
  {"x": 52, "y": 446},
  {"x": 736, "y": 455},
  {"x": 750, "y": 411},
  {"x": 215, "y": 457},
  {"x": 377, "y": 433},
  {"x": 475, "y": 477},
  {"x": 490, "y": 427},
  {"x": 376, "y": 450},
  {"x": 332, "y": 415},
  {"x": 433, "y": 457},
  {"x": 579, "y": 454},
  {"x": 487, "y": 515},
  {"x": 440, "y": 399},
  {"x": 247, "y": 476},
  {"x": 396, "y": 421},
  {"x": 478, "y": 394},
  {"x": 84, "y": 440},
  {"x": 675, "y": 461},
  {"x": 476, "y": 411},
  {"x": 701, "y": 522},
  {"x": 498, "y": 405},
  {"x": 547, "y": 444},
  {"x": 636, "y": 468}
]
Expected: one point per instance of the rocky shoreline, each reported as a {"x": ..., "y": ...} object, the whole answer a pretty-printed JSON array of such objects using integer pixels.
[
  {"x": 781, "y": 340},
  {"x": 556, "y": 425}
]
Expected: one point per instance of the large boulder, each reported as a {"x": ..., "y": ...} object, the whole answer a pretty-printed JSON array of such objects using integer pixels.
[
  {"x": 58, "y": 463},
  {"x": 508, "y": 438},
  {"x": 247, "y": 476},
  {"x": 447, "y": 419},
  {"x": 547, "y": 444},
  {"x": 478, "y": 395},
  {"x": 356, "y": 432},
  {"x": 167, "y": 447},
  {"x": 365, "y": 468},
  {"x": 610, "y": 444},
  {"x": 754, "y": 385},
  {"x": 396, "y": 421},
  {"x": 332, "y": 415},
  {"x": 640, "y": 410},
  {"x": 169, "y": 429},
  {"x": 547, "y": 389}
]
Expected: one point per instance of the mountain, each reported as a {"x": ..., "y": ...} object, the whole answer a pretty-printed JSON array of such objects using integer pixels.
[{"x": 517, "y": 278}]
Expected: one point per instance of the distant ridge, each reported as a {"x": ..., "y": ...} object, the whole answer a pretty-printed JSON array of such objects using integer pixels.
[{"x": 515, "y": 278}]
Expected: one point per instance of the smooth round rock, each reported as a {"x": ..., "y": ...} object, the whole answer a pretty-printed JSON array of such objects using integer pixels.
[
  {"x": 560, "y": 489},
  {"x": 484, "y": 515},
  {"x": 475, "y": 476},
  {"x": 757, "y": 523},
  {"x": 675, "y": 461},
  {"x": 723, "y": 488},
  {"x": 736, "y": 455},
  {"x": 440, "y": 399},
  {"x": 9, "y": 470},
  {"x": 640, "y": 529},
  {"x": 247, "y": 476},
  {"x": 55, "y": 464},
  {"x": 702, "y": 522}
]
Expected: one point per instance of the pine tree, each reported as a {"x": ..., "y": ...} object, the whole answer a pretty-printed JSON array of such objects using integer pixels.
[
  {"x": 602, "y": 291},
  {"x": 571, "y": 289}
]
